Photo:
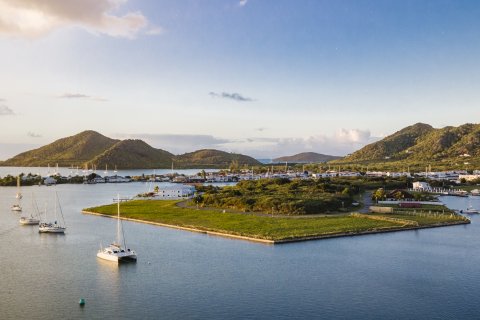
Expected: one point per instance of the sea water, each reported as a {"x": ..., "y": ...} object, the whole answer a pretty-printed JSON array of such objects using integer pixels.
[{"x": 422, "y": 274}]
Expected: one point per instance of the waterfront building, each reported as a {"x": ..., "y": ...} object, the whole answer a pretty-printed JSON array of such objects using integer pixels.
[
  {"x": 421, "y": 186},
  {"x": 179, "y": 191},
  {"x": 469, "y": 177}
]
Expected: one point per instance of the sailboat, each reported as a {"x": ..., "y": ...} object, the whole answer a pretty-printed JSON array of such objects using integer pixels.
[
  {"x": 31, "y": 220},
  {"x": 116, "y": 252},
  {"x": 18, "y": 196},
  {"x": 55, "y": 227}
]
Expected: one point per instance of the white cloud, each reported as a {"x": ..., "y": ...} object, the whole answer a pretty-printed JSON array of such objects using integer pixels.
[
  {"x": 6, "y": 111},
  {"x": 33, "y": 18},
  {"x": 80, "y": 96},
  {"x": 34, "y": 135},
  {"x": 155, "y": 31},
  {"x": 178, "y": 143},
  {"x": 242, "y": 3},
  {"x": 341, "y": 143}
]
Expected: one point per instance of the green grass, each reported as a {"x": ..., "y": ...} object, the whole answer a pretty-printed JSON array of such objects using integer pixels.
[{"x": 261, "y": 227}]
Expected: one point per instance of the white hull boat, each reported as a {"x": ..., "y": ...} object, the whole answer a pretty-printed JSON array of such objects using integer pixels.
[
  {"x": 33, "y": 219},
  {"x": 50, "y": 228},
  {"x": 17, "y": 207},
  {"x": 55, "y": 227},
  {"x": 29, "y": 221},
  {"x": 115, "y": 252},
  {"x": 470, "y": 209}
]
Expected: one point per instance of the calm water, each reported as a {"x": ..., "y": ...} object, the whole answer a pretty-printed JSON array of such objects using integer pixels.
[{"x": 181, "y": 275}]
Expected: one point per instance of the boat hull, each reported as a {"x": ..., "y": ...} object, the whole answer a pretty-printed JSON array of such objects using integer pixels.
[
  {"x": 29, "y": 221},
  {"x": 51, "y": 230},
  {"x": 117, "y": 257}
]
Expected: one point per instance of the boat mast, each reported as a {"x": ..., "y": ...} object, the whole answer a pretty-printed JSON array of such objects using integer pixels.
[
  {"x": 118, "y": 219},
  {"x": 55, "y": 211}
]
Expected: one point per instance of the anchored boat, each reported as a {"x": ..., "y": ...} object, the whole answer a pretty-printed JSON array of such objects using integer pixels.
[
  {"x": 118, "y": 250},
  {"x": 56, "y": 226}
]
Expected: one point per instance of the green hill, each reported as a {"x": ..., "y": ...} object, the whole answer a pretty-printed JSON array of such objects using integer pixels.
[
  {"x": 423, "y": 144},
  {"x": 306, "y": 157},
  {"x": 132, "y": 154},
  {"x": 209, "y": 158},
  {"x": 69, "y": 151},
  {"x": 92, "y": 148}
]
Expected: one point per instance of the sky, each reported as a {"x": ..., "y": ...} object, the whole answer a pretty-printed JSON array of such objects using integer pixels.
[{"x": 265, "y": 78}]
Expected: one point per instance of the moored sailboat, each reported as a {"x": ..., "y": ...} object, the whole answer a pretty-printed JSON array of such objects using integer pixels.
[
  {"x": 117, "y": 251},
  {"x": 32, "y": 219},
  {"x": 18, "y": 196},
  {"x": 55, "y": 227}
]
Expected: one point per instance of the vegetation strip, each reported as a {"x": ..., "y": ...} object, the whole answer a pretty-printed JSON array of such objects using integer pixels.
[{"x": 258, "y": 228}]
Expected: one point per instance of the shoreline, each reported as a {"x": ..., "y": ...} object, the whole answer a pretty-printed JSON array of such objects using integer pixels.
[{"x": 288, "y": 240}]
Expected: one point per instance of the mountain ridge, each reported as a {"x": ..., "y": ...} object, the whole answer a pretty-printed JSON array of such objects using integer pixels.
[
  {"x": 92, "y": 148},
  {"x": 421, "y": 142},
  {"x": 306, "y": 157}
]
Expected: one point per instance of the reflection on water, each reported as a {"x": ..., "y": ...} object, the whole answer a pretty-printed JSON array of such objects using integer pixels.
[{"x": 405, "y": 275}]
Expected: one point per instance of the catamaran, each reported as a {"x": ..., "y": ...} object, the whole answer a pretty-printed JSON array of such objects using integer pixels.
[
  {"x": 31, "y": 220},
  {"x": 116, "y": 252},
  {"x": 18, "y": 196},
  {"x": 55, "y": 227}
]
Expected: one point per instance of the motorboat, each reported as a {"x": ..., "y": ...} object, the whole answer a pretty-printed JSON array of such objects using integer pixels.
[{"x": 470, "y": 209}]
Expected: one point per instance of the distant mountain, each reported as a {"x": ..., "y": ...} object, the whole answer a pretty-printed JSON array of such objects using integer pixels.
[
  {"x": 70, "y": 151},
  {"x": 421, "y": 142},
  {"x": 132, "y": 154},
  {"x": 92, "y": 148},
  {"x": 213, "y": 158},
  {"x": 306, "y": 157}
]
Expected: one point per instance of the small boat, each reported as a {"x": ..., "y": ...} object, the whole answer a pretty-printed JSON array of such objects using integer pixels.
[
  {"x": 55, "y": 227},
  {"x": 475, "y": 192},
  {"x": 31, "y": 220},
  {"x": 17, "y": 207},
  {"x": 470, "y": 209},
  {"x": 116, "y": 252}
]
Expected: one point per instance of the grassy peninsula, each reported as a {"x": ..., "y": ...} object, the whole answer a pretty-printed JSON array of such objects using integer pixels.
[{"x": 271, "y": 229}]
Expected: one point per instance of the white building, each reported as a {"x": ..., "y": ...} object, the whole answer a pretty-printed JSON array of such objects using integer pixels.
[
  {"x": 179, "y": 191},
  {"x": 421, "y": 186},
  {"x": 469, "y": 177}
]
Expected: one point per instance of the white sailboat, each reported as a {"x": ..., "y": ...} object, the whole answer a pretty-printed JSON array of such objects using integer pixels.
[
  {"x": 32, "y": 219},
  {"x": 117, "y": 252},
  {"x": 55, "y": 227},
  {"x": 18, "y": 196}
]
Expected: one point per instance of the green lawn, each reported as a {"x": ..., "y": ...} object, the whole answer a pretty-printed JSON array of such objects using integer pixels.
[{"x": 261, "y": 227}]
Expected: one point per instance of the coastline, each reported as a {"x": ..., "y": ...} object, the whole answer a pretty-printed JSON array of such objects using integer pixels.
[{"x": 287, "y": 240}]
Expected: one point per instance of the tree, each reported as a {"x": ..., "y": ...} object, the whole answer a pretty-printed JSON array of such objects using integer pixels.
[{"x": 379, "y": 194}]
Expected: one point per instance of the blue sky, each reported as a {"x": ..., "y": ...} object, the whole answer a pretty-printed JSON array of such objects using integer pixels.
[{"x": 261, "y": 77}]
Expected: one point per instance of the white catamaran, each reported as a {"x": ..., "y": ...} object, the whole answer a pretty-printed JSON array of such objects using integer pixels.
[
  {"x": 18, "y": 196},
  {"x": 32, "y": 219},
  {"x": 115, "y": 251},
  {"x": 55, "y": 227}
]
